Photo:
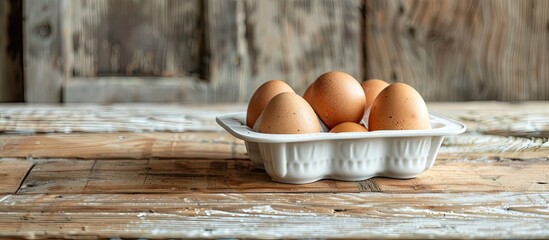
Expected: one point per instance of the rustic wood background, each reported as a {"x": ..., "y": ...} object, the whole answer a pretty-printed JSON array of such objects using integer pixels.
[
  {"x": 11, "y": 48},
  {"x": 221, "y": 51}
]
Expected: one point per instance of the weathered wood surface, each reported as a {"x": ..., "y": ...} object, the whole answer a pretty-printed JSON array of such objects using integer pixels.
[
  {"x": 20, "y": 118},
  {"x": 135, "y": 89},
  {"x": 496, "y": 131},
  {"x": 295, "y": 41},
  {"x": 461, "y": 50},
  {"x": 511, "y": 118},
  {"x": 365, "y": 215},
  {"x": 44, "y": 57},
  {"x": 234, "y": 45},
  {"x": 247, "y": 43},
  {"x": 11, "y": 51},
  {"x": 204, "y": 145},
  {"x": 135, "y": 38},
  {"x": 220, "y": 176},
  {"x": 128, "y": 171},
  {"x": 471, "y": 146},
  {"x": 448, "y": 50},
  {"x": 12, "y": 173}
]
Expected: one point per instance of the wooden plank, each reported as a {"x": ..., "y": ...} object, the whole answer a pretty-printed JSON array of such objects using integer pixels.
[
  {"x": 117, "y": 118},
  {"x": 502, "y": 118},
  {"x": 44, "y": 60},
  {"x": 496, "y": 130},
  {"x": 11, "y": 51},
  {"x": 161, "y": 176},
  {"x": 210, "y": 145},
  {"x": 364, "y": 215},
  {"x": 134, "y": 89},
  {"x": 135, "y": 38},
  {"x": 224, "y": 49},
  {"x": 461, "y": 50},
  {"x": 506, "y": 176},
  {"x": 297, "y": 41},
  {"x": 221, "y": 145},
  {"x": 12, "y": 173},
  {"x": 190, "y": 175},
  {"x": 156, "y": 39},
  {"x": 251, "y": 42}
]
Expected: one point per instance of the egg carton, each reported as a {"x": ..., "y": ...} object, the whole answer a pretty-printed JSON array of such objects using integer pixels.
[{"x": 349, "y": 156}]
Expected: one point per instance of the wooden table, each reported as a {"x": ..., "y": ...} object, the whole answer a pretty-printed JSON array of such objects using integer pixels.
[{"x": 163, "y": 171}]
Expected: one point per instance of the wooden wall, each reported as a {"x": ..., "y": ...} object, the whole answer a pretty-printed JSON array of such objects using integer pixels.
[
  {"x": 11, "y": 47},
  {"x": 461, "y": 49},
  {"x": 222, "y": 50}
]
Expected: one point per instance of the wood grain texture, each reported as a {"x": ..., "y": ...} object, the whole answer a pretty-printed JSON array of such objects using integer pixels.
[
  {"x": 11, "y": 51},
  {"x": 461, "y": 50},
  {"x": 251, "y": 42},
  {"x": 20, "y": 118},
  {"x": 12, "y": 173},
  {"x": 209, "y": 145},
  {"x": 364, "y": 215},
  {"x": 44, "y": 52},
  {"x": 297, "y": 41},
  {"x": 490, "y": 182},
  {"x": 193, "y": 175},
  {"x": 448, "y": 50},
  {"x": 226, "y": 67},
  {"x": 104, "y": 90},
  {"x": 135, "y": 38},
  {"x": 496, "y": 130},
  {"x": 161, "y": 176}
]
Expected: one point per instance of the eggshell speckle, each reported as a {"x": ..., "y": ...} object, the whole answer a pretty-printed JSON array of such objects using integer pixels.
[
  {"x": 398, "y": 107},
  {"x": 288, "y": 113},
  {"x": 262, "y": 96},
  {"x": 336, "y": 97}
]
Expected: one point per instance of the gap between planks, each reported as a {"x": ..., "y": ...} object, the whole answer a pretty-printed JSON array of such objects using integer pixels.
[{"x": 12, "y": 174}]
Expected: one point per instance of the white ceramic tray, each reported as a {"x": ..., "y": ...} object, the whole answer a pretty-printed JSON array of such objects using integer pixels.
[{"x": 352, "y": 156}]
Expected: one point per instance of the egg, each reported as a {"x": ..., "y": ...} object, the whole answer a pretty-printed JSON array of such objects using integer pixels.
[
  {"x": 371, "y": 88},
  {"x": 336, "y": 97},
  {"x": 348, "y": 127},
  {"x": 262, "y": 96},
  {"x": 288, "y": 113},
  {"x": 398, "y": 107}
]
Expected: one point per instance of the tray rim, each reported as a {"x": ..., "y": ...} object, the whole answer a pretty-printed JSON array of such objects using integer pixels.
[{"x": 234, "y": 124}]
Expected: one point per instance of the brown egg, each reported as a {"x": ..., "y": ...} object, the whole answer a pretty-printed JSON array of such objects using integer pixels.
[
  {"x": 348, "y": 127},
  {"x": 372, "y": 88},
  {"x": 288, "y": 113},
  {"x": 398, "y": 107},
  {"x": 337, "y": 97},
  {"x": 262, "y": 96}
]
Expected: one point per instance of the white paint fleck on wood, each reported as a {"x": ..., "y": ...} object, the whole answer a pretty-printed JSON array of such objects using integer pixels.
[
  {"x": 118, "y": 118},
  {"x": 467, "y": 195},
  {"x": 365, "y": 215}
]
